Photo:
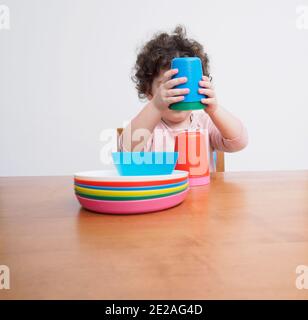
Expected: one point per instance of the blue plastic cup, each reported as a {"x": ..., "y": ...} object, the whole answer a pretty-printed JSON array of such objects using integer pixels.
[{"x": 191, "y": 68}]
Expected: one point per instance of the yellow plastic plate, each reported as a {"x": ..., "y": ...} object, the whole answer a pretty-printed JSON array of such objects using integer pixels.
[{"x": 133, "y": 193}]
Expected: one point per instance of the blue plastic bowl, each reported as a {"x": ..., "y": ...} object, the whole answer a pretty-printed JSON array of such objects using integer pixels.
[{"x": 144, "y": 163}]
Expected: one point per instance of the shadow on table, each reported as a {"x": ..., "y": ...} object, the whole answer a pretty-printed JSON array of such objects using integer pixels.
[{"x": 188, "y": 222}]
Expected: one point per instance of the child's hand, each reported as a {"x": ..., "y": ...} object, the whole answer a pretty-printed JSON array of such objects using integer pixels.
[
  {"x": 210, "y": 101},
  {"x": 165, "y": 95}
]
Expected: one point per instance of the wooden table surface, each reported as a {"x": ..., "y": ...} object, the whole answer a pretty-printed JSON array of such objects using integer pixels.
[{"x": 240, "y": 237}]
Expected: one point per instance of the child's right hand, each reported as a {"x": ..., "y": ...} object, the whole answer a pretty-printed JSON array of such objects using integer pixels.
[{"x": 165, "y": 94}]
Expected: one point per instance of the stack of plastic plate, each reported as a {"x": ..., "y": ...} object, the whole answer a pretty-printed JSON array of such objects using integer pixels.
[{"x": 110, "y": 192}]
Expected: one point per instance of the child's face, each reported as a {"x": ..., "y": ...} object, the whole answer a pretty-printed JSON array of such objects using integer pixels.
[{"x": 173, "y": 116}]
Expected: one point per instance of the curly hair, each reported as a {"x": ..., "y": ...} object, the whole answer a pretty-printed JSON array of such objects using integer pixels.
[{"x": 156, "y": 55}]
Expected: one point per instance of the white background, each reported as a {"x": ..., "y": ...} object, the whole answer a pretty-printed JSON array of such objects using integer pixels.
[{"x": 65, "y": 70}]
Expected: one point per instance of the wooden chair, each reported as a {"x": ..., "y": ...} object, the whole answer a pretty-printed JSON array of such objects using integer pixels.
[
  {"x": 220, "y": 161},
  {"x": 220, "y": 156}
]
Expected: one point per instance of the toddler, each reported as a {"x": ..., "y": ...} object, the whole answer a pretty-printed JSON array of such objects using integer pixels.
[{"x": 153, "y": 78}]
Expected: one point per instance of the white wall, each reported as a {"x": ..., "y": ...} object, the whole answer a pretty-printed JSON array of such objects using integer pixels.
[{"x": 65, "y": 76}]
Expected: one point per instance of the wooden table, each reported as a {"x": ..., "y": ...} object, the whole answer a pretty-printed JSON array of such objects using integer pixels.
[{"x": 240, "y": 237}]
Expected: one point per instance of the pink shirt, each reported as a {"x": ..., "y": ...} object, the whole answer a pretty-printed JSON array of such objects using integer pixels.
[{"x": 199, "y": 120}]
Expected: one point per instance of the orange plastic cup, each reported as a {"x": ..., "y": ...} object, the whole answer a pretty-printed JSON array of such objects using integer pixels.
[{"x": 193, "y": 149}]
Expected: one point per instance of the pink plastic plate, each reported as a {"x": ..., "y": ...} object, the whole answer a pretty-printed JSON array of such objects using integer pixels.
[{"x": 132, "y": 206}]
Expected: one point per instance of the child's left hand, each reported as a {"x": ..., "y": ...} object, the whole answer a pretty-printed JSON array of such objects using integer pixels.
[{"x": 210, "y": 102}]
